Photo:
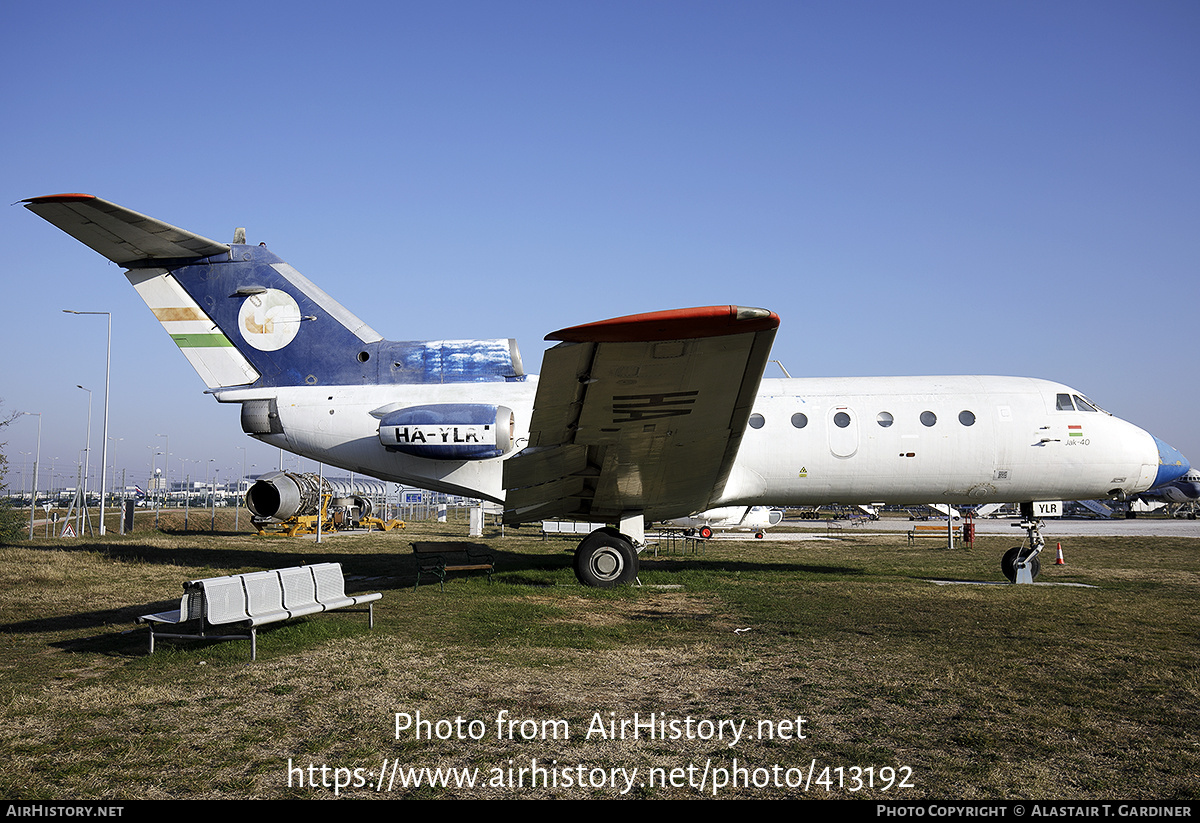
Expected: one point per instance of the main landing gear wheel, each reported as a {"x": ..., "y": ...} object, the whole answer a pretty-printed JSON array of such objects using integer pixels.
[
  {"x": 1008, "y": 563},
  {"x": 706, "y": 532},
  {"x": 606, "y": 559}
]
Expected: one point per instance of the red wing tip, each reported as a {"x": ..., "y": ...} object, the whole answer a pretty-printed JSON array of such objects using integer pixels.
[
  {"x": 674, "y": 324},
  {"x": 60, "y": 198}
]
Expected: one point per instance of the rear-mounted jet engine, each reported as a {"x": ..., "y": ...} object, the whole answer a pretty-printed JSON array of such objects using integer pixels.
[{"x": 448, "y": 431}]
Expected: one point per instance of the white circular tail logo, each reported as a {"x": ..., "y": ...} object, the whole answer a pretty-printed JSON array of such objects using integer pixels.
[{"x": 269, "y": 320}]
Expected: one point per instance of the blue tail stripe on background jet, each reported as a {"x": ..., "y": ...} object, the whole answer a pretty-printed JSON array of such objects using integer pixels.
[{"x": 652, "y": 416}]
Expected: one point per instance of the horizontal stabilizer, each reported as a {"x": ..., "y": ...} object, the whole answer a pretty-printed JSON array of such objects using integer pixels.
[{"x": 123, "y": 236}]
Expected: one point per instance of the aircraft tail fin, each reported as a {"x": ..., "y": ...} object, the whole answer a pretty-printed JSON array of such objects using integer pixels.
[
  {"x": 149, "y": 248},
  {"x": 243, "y": 316}
]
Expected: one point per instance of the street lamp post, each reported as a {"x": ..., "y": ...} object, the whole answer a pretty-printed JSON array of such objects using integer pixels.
[
  {"x": 36, "y": 460},
  {"x": 120, "y": 506},
  {"x": 237, "y": 492},
  {"x": 166, "y": 462},
  {"x": 87, "y": 460},
  {"x": 53, "y": 493},
  {"x": 104, "y": 447},
  {"x": 24, "y": 469},
  {"x": 154, "y": 484},
  {"x": 208, "y": 486},
  {"x": 187, "y": 491}
]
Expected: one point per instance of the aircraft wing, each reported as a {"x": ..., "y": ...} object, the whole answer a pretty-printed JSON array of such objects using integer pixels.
[
  {"x": 121, "y": 235},
  {"x": 640, "y": 414}
]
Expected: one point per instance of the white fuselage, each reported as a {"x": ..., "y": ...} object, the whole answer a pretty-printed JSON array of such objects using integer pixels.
[
  {"x": 956, "y": 439},
  {"x": 960, "y": 439}
]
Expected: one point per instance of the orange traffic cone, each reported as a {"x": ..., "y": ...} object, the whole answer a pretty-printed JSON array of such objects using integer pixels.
[{"x": 1059, "y": 560}]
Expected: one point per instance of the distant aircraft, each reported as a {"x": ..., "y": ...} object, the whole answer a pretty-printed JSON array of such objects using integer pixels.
[
  {"x": 1185, "y": 489},
  {"x": 730, "y": 518},
  {"x": 646, "y": 417}
]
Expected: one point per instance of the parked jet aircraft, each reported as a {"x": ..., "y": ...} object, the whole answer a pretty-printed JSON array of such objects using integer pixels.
[
  {"x": 646, "y": 417},
  {"x": 1183, "y": 489},
  {"x": 730, "y": 518}
]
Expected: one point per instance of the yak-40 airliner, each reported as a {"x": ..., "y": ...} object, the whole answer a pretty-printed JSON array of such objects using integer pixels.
[{"x": 639, "y": 418}]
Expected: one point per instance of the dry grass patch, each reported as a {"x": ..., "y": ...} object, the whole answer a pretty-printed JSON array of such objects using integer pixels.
[
  {"x": 990, "y": 691},
  {"x": 650, "y": 605}
]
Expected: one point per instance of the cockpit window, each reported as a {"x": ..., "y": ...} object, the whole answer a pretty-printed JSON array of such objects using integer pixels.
[{"x": 1077, "y": 402}]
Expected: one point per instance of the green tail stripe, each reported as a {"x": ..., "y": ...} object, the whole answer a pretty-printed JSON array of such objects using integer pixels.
[{"x": 201, "y": 341}]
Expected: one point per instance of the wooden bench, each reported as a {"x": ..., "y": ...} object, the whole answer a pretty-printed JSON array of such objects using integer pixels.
[
  {"x": 927, "y": 530},
  {"x": 247, "y": 601},
  {"x": 439, "y": 559}
]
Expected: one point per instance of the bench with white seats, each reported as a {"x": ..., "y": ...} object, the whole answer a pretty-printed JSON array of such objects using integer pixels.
[{"x": 250, "y": 600}]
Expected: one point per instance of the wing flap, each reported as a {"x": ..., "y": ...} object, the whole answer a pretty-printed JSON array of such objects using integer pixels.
[
  {"x": 123, "y": 236},
  {"x": 558, "y": 498},
  {"x": 560, "y": 399},
  {"x": 533, "y": 465},
  {"x": 643, "y": 413}
]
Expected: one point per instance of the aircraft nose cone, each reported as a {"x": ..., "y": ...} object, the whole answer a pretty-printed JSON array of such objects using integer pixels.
[{"x": 1171, "y": 464}]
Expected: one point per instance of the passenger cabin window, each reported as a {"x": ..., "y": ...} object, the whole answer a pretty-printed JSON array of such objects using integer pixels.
[
  {"x": 967, "y": 418},
  {"x": 756, "y": 421},
  {"x": 799, "y": 420},
  {"x": 928, "y": 418},
  {"x": 1064, "y": 403},
  {"x": 885, "y": 419},
  {"x": 841, "y": 420}
]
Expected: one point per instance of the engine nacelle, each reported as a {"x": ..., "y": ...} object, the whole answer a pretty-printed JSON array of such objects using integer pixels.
[
  {"x": 286, "y": 494},
  {"x": 449, "y": 431}
]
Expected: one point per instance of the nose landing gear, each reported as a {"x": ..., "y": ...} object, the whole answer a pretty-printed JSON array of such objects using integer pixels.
[{"x": 1020, "y": 564}]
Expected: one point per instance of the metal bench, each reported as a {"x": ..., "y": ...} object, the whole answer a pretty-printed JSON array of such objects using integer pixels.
[{"x": 247, "y": 601}]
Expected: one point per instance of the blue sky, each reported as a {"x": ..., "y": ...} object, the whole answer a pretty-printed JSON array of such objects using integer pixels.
[{"x": 914, "y": 187}]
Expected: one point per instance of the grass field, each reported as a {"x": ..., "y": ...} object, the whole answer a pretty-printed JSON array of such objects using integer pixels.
[{"x": 905, "y": 689}]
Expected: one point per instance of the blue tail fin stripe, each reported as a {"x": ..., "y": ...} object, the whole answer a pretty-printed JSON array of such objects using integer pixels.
[{"x": 294, "y": 334}]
